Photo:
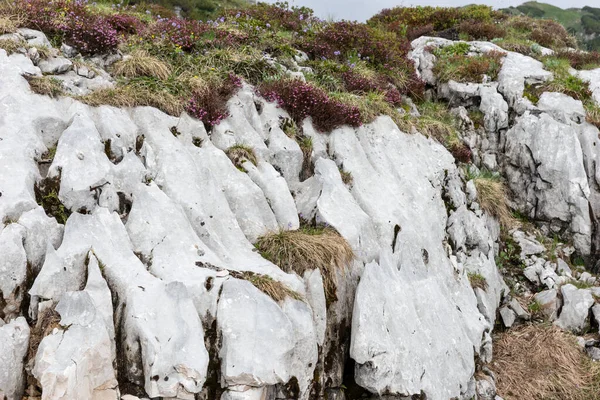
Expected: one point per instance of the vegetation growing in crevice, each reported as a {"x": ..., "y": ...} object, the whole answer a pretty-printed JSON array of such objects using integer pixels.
[
  {"x": 346, "y": 177},
  {"x": 477, "y": 281},
  {"x": 308, "y": 167},
  {"x": 45, "y": 85},
  {"x": 492, "y": 196},
  {"x": 454, "y": 63},
  {"x": 308, "y": 248},
  {"x": 46, "y": 194},
  {"x": 239, "y": 153},
  {"x": 276, "y": 290},
  {"x": 436, "y": 121}
]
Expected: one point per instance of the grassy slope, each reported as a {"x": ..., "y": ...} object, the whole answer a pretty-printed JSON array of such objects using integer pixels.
[{"x": 570, "y": 18}]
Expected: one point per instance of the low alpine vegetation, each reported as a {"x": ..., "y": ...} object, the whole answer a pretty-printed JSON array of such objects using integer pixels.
[
  {"x": 492, "y": 196},
  {"x": 302, "y": 100},
  {"x": 543, "y": 362},
  {"x": 239, "y": 154},
  {"x": 272, "y": 288},
  {"x": 45, "y": 85},
  {"x": 139, "y": 63},
  {"x": 454, "y": 63},
  {"x": 436, "y": 121},
  {"x": 306, "y": 249},
  {"x": 477, "y": 281}
]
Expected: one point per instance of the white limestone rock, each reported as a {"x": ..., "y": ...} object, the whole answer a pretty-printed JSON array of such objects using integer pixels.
[
  {"x": 14, "y": 343},
  {"x": 245, "y": 198},
  {"x": 562, "y": 107},
  {"x": 13, "y": 270},
  {"x": 171, "y": 346},
  {"x": 258, "y": 357},
  {"x": 76, "y": 361},
  {"x": 494, "y": 108},
  {"x": 396, "y": 357},
  {"x": 575, "y": 310},
  {"x": 545, "y": 171},
  {"x": 34, "y": 38},
  {"x": 549, "y": 303},
  {"x": 277, "y": 193},
  {"x": 508, "y": 316},
  {"x": 40, "y": 230},
  {"x": 518, "y": 69},
  {"x": 55, "y": 65},
  {"x": 529, "y": 245}
]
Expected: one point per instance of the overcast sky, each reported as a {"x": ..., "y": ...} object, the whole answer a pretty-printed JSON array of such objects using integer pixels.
[{"x": 362, "y": 10}]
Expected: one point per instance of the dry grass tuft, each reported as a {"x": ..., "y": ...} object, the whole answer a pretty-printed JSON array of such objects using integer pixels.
[
  {"x": 593, "y": 114},
  {"x": 45, "y": 85},
  {"x": 9, "y": 20},
  {"x": 492, "y": 197},
  {"x": 541, "y": 362},
  {"x": 240, "y": 153},
  {"x": 134, "y": 97},
  {"x": 307, "y": 249},
  {"x": 477, "y": 281},
  {"x": 140, "y": 63},
  {"x": 275, "y": 289},
  {"x": 346, "y": 177},
  {"x": 11, "y": 46}
]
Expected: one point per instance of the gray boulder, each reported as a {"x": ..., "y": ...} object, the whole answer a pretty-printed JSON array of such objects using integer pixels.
[
  {"x": 544, "y": 168},
  {"x": 55, "y": 65},
  {"x": 576, "y": 307},
  {"x": 549, "y": 303},
  {"x": 14, "y": 342}
]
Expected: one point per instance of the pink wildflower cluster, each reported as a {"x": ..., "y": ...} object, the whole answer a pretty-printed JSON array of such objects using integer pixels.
[
  {"x": 302, "y": 100},
  {"x": 188, "y": 34},
  {"x": 125, "y": 23},
  {"x": 210, "y": 105},
  {"x": 279, "y": 15},
  {"x": 88, "y": 32}
]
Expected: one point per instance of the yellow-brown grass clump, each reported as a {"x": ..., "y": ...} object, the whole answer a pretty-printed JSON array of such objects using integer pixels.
[
  {"x": 306, "y": 249},
  {"x": 45, "y": 85},
  {"x": 127, "y": 96},
  {"x": 10, "y": 19},
  {"x": 477, "y": 281},
  {"x": 276, "y": 290},
  {"x": 492, "y": 197},
  {"x": 240, "y": 153},
  {"x": 541, "y": 362},
  {"x": 11, "y": 46},
  {"x": 140, "y": 63}
]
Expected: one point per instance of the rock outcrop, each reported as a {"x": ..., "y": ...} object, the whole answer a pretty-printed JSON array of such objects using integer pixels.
[{"x": 147, "y": 273}]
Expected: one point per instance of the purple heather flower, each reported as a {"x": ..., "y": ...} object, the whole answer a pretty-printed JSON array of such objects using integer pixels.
[
  {"x": 337, "y": 53},
  {"x": 301, "y": 17},
  {"x": 268, "y": 25}
]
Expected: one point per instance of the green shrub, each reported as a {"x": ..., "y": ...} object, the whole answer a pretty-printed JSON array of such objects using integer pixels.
[{"x": 464, "y": 68}]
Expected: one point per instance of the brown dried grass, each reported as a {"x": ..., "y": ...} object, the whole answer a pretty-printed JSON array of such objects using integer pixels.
[
  {"x": 275, "y": 289},
  {"x": 542, "y": 362},
  {"x": 45, "y": 85},
  {"x": 307, "y": 249},
  {"x": 11, "y": 17},
  {"x": 240, "y": 153},
  {"x": 140, "y": 63},
  {"x": 125, "y": 96},
  {"x": 492, "y": 197}
]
